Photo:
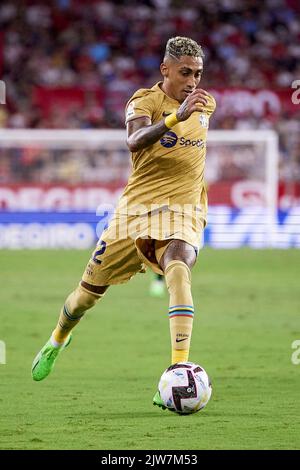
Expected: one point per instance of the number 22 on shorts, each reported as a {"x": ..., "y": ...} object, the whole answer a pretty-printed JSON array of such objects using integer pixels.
[{"x": 99, "y": 252}]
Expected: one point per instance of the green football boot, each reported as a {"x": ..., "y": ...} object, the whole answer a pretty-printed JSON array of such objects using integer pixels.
[
  {"x": 44, "y": 362},
  {"x": 158, "y": 401}
]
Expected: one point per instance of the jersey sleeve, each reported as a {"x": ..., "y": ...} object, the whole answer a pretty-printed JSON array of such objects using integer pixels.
[
  {"x": 139, "y": 107},
  {"x": 211, "y": 105}
]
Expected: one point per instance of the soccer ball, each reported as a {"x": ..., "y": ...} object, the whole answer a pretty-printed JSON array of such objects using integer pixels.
[{"x": 185, "y": 388}]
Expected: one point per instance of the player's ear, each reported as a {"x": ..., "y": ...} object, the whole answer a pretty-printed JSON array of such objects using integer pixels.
[{"x": 164, "y": 69}]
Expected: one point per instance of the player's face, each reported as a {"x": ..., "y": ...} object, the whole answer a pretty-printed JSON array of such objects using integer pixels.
[{"x": 181, "y": 76}]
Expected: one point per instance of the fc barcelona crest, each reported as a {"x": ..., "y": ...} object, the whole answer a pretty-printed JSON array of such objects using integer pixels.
[{"x": 203, "y": 118}]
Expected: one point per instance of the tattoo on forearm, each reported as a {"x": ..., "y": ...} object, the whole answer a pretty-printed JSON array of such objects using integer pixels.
[
  {"x": 148, "y": 135},
  {"x": 181, "y": 113}
]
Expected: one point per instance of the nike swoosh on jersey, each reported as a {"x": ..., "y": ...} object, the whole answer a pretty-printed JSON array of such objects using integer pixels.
[
  {"x": 166, "y": 113},
  {"x": 179, "y": 340}
]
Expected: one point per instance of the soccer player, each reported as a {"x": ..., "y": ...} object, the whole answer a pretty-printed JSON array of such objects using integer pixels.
[
  {"x": 157, "y": 286},
  {"x": 162, "y": 212}
]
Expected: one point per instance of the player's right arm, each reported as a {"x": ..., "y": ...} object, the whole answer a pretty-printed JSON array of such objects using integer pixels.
[{"x": 141, "y": 132}]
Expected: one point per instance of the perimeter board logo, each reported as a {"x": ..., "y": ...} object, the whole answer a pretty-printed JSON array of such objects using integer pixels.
[{"x": 169, "y": 139}]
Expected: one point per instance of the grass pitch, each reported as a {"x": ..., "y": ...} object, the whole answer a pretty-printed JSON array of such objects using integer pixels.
[{"x": 99, "y": 395}]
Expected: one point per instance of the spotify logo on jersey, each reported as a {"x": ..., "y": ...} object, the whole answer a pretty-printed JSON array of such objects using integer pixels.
[{"x": 169, "y": 139}]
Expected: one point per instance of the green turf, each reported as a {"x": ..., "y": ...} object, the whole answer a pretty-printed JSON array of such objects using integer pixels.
[{"x": 99, "y": 395}]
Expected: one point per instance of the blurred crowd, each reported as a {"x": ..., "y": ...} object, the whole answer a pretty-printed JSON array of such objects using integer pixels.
[
  {"x": 70, "y": 166},
  {"x": 112, "y": 48}
]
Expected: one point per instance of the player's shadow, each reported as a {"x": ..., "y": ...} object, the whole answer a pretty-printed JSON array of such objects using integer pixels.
[{"x": 149, "y": 414}]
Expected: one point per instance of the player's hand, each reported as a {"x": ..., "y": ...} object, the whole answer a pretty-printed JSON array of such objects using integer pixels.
[{"x": 194, "y": 102}]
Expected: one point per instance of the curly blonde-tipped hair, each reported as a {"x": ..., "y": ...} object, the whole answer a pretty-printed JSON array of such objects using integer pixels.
[{"x": 179, "y": 46}]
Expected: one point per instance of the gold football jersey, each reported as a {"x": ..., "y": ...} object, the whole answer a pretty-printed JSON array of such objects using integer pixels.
[{"x": 171, "y": 171}]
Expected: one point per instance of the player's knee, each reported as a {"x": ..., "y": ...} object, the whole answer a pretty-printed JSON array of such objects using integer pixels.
[
  {"x": 178, "y": 275},
  {"x": 178, "y": 250},
  {"x": 80, "y": 300}
]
